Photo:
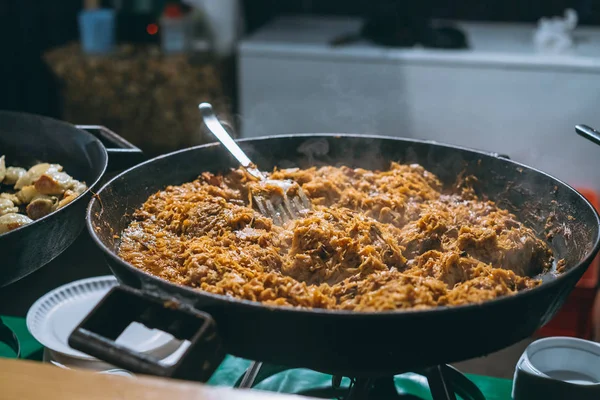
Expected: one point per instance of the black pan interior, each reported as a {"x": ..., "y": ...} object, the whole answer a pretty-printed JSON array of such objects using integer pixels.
[{"x": 27, "y": 139}]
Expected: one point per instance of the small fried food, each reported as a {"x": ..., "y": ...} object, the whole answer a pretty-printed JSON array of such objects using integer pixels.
[{"x": 35, "y": 193}]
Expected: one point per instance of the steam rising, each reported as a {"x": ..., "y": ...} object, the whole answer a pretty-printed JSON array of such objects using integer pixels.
[
  {"x": 540, "y": 202},
  {"x": 535, "y": 198},
  {"x": 350, "y": 106}
]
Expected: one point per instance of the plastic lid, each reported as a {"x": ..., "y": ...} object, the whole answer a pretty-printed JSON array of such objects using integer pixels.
[{"x": 566, "y": 359}]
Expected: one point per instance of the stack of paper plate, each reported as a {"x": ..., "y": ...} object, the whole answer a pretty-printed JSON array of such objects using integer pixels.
[{"x": 53, "y": 317}]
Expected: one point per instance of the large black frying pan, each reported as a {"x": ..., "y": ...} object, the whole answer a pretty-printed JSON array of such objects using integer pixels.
[
  {"x": 26, "y": 140},
  {"x": 336, "y": 342}
]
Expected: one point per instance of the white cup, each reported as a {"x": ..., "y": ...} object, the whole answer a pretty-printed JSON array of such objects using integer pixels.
[{"x": 558, "y": 368}]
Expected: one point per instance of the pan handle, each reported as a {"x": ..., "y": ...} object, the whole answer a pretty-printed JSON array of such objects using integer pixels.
[
  {"x": 96, "y": 335},
  {"x": 589, "y": 133},
  {"x": 121, "y": 153}
]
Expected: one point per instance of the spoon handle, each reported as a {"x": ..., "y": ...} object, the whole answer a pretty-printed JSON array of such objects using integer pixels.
[
  {"x": 216, "y": 128},
  {"x": 589, "y": 133}
]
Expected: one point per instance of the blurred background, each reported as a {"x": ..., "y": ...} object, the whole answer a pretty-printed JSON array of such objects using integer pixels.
[
  {"x": 464, "y": 71},
  {"x": 508, "y": 76}
]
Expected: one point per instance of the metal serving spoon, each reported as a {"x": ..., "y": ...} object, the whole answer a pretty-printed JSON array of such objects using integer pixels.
[{"x": 280, "y": 209}]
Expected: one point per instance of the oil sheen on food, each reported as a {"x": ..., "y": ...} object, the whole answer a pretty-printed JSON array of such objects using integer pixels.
[
  {"x": 374, "y": 241},
  {"x": 28, "y": 195}
]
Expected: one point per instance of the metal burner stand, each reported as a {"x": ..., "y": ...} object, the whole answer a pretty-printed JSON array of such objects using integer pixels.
[{"x": 445, "y": 383}]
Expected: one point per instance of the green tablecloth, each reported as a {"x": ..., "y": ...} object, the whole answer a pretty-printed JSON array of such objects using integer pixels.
[
  {"x": 295, "y": 381},
  {"x": 31, "y": 349}
]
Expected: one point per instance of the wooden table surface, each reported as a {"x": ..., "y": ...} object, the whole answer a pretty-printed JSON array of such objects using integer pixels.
[{"x": 28, "y": 380}]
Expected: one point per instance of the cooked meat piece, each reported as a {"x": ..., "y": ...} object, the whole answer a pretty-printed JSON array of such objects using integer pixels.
[
  {"x": 27, "y": 194},
  {"x": 331, "y": 245},
  {"x": 8, "y": 222},
  {"x": 68, "y": 197},
  {"x": 13, "y": 174},
  {"x": 495, "y": 282},
  {"x": 40, "y": 207},
  {"x": 34, "y": 173},
  {"x": 12, "y": 197},
  {"x": 477, "y": 229},
  {"x": 54, "y": 183},
  {"x": 77, "y": 189},
  {"x": 390, "y": 291},
  {"x": 7, "y": 207},
  {"x": 374, "y": 240},
  {"x": 37, "y": 189}
]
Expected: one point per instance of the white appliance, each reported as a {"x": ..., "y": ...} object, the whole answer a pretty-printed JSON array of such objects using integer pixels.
[{"x": 499, "y": 95}]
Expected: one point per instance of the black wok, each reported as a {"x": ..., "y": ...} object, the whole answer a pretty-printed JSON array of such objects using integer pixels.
[
  {"x": 336, "y": 342},
  {"x": 27, "y": 139}
]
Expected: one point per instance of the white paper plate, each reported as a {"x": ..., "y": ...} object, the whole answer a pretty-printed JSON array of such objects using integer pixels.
[
  {"x": 109, "y": 370},
  {"x": 53, "y": 317}
]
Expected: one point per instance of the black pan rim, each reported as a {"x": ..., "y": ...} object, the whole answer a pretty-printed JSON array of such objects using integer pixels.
[
  {"x": 58, "y": 213},
  {"x": 254, "y": 305}
]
